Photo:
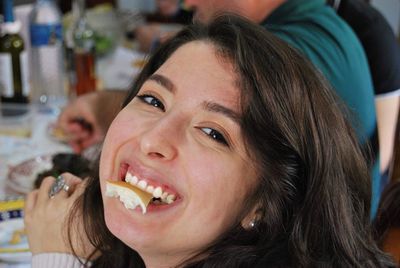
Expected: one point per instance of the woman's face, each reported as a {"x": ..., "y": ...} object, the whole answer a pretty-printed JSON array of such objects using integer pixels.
[{"x": 181, "y": 133}]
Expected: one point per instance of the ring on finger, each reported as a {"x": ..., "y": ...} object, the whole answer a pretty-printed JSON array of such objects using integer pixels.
[
  {"x": 65, "y": 187},
  {"x": 57, "y": 186}
]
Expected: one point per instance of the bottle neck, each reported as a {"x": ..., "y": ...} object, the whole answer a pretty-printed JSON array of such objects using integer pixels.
[
  {"x": 8, "y": 11},
  {"x": 79, "y": 9}
]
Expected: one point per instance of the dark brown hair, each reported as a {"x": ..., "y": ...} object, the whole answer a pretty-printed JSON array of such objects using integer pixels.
[
  {"x": 314, "y": 190},
  {"x": 388, "y": 215}
]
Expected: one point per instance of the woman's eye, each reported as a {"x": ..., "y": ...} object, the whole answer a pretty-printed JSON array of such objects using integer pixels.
[
  {"x": 151, "y": 100},
  {"x": 215, "y": 135}
]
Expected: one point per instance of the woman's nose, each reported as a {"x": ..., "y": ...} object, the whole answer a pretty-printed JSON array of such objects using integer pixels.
[{"x": 160, "y": 141}]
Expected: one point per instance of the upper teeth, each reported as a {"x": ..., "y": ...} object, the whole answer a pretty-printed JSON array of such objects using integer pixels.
[{"x": 156, "y": 192}]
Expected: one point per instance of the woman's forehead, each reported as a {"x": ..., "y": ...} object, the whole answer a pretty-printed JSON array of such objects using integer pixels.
[{"x": 197, "y": 67}]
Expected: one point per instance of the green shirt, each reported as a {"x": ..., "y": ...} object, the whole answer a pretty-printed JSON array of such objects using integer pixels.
[{"x": 321, "y": 35}]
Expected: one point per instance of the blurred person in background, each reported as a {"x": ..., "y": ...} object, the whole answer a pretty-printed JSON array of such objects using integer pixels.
[
  {"x": 383, "y": 52},
  {"x": 168, "y": 18},
  {"x": 66, "y": 5},
  {"x": 170, "y": 11}
]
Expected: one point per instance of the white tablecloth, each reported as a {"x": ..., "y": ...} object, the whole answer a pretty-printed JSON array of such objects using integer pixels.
[{"x": 14, "y": 150}]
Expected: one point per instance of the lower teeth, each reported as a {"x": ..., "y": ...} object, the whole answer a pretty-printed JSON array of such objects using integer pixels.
[{"x": 157, "y": 201}]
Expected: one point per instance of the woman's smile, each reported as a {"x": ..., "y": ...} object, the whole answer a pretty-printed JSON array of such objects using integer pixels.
[{"x": 151, "y": 182}]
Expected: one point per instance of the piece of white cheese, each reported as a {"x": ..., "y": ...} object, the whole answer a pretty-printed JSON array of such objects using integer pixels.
[{"x": 128, "y": 194}]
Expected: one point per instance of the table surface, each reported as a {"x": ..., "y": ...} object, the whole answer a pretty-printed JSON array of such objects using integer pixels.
[{"x": 14, "y": 150}]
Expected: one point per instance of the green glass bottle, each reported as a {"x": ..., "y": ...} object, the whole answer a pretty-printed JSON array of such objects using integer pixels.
[{"x": 14, "y": 84}]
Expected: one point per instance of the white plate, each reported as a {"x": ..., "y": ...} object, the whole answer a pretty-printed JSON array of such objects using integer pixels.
[
  {"x": 20, "y": 178},
  {"x": 17, "y": 251}
]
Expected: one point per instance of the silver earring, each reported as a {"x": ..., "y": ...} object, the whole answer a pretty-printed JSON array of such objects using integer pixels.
[{"x": 252, "y": 224}]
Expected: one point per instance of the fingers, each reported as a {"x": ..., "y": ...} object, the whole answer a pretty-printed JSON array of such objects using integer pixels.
[
  {"x": 78, "y": 146},
  {"x": 30, "y": 202},
  {"x": 68, "y": 114},
  {"x": 76, "y": 128},
  {"x": 78, "y": 115},
  {"x": 80, "y": 141},
  {"x": 80, "y": 122},
  {"x": 67, "y": 188},
  {"x": 84, "y": 144},
  {"x": 70, "y": 185},
  {"x": 79, "y": 189},
  {"x": 43, "y": 193},
  {"x": 81, "y": 135},
  {"x": 77, "y": 131}
]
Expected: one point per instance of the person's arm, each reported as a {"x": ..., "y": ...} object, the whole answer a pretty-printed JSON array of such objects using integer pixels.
[
  {"x": 387, "y": 113},
  {"x": 86, "y": 119}
]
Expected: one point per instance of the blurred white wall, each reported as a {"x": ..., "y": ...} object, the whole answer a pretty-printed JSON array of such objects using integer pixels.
[{"x": 391, "y": 10}]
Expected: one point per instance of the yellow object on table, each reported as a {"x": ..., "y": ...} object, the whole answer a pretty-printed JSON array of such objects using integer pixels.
[{"x": 12, "y": 204}]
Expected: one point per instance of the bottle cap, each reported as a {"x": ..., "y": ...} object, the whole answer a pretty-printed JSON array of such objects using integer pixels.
[{"x": 8, "y": 11}]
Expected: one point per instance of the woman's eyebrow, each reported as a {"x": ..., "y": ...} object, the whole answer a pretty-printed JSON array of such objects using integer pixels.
[
  {"x": 163, "y": 81},
  {"x": 218, "y": 108},
  {"x": 209, "y": 106}
]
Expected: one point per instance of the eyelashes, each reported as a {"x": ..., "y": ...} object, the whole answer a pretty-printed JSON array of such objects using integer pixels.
[
  {"x": 213, "y": 134},
  {"x": 151, "y": 100}
]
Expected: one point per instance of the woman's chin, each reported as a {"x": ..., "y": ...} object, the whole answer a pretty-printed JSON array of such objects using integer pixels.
[{"x": 133, "y": 227}]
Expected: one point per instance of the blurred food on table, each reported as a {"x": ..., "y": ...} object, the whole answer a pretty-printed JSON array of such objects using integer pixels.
[
  {"x": 13, "y": 241},
  {"x": 15, "y": 120},
  {"x": 65, "y": 162},
  {"x": 27, "y": 175},
  {"x": 20, "y": 178}
]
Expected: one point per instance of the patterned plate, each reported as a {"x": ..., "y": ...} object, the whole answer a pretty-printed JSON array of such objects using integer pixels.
[{"x": 20, "y": 178}]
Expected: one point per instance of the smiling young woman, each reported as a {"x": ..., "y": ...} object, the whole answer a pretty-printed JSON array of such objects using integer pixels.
[{"x": 244, "y": 146}]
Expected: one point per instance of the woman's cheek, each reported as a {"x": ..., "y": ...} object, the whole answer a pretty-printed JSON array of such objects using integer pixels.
[
  {"x": 107, "y": 153},
  {"x": 120, "y": 132}
]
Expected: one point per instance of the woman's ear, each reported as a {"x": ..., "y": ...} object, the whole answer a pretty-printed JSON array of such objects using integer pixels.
[{"x": 252, "y": 218}]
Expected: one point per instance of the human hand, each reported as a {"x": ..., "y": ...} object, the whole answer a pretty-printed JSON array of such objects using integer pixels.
[
  {"x": 46, "y": 219},
  {"x": 80, "y": 123}
]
